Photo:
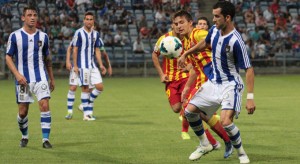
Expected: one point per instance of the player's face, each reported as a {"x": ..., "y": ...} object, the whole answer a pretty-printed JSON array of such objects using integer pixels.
[
  {"x": 202, "y": 25},
  {"x": 182, "y": 25},
  {"x": 88, "y": 21},
  {"x": 30, "y": 18},
  {"x": 219, "y": 19}
]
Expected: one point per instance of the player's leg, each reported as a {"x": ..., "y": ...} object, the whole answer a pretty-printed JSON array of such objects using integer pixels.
[
  {"x": 70, "y": 101},
  {"x": 96, "y": 81},
  {"x": 234, "y": 134},
  {"x": 216, "y": 145},
  {"x": 230, "y": 106},
  {"x": 24, "y": 97},
  {"x": 217, "y": 127},
  {"x": 192, "y": 115},
  {"x": 23, "y": 123},
  {"x": 42, "y": 92}
]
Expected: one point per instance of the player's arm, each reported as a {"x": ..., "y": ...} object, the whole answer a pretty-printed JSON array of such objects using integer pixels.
[
  {"x": 250, "y": 106},
  {"x": 48, "y": 64},
  {"x": 99, "y": 60},
  {"x": 10, "y": 64},
  {"x": 192, "y": 78},
  {"x": 75, "y": 67},
  {"x": 155, "y": 59},
  {"x": 199, "y": 47},
  {"x": 107, "y": 61},
  {"x": 68, "y": 60}
]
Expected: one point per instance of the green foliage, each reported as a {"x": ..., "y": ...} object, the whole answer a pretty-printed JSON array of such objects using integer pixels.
[{"x": 136, "y": 125}]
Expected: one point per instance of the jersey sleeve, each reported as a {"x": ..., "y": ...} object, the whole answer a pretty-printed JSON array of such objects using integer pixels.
[
  {"x": 46, "y": 46},
  {"x": 200, "y": 35},
  {"x": 208, "y": 37},
  {"x": 11, "y": 48},
  {"x": 241, "y": 55},
  {"x": 77, "y": 39},
  {"x": 157, "y": 44}
]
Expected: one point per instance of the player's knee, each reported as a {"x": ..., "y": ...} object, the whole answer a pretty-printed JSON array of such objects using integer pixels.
[
  {"x": 190, "y": 115},
  {"x": 226, "y": 121},
  {"x": 73, "y": 88},
  {"x": 44, "y": 105},
  {"x": 176, "y": 108},
  {"x": 99, "y": 87}
]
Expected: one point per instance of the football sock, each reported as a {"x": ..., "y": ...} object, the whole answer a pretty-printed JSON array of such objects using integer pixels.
[
  {"x": 71, "y": 99},
  {"x": 216, "y": 126},
  {"x": 85, "y": 102},
  {"x": 209, "y": 136},
  {"x": 46, "y": 124},
  {"x": 234, "y": 135},
  {"x": 185, "y": 124},
  {"x": 23, "y": 126},
  {"x": 196, "y": 124},
  {"x": 93, "y": 95}
]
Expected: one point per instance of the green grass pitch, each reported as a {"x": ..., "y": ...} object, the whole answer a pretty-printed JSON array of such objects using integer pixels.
[{"x": 136, "y": 125}]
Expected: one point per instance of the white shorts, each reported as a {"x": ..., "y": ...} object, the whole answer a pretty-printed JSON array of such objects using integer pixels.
[
  {"x": 39, "y": 89},
  {"x": 84, "y": 76},
  {"x": 73, "y": 79},
  {"x": 96, "y": 77},
  {"x": 211, "y": 96}
]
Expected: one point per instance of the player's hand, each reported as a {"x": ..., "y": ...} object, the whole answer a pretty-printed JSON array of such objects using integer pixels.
[
  {"x": 75, "y": 68},
  {"x": 68, "y": 66},
  {"x": 103, "y": 70},
  {"x": 250, "y": 106},
  {"x": 184, "y": 94},
  {"x": 109, "y": 70},
  {"x": 21, "y": 79},
  {"x": 52, "y": 85},
  {"x": 181, "y": 61},
  {"x": 164, "y": 79}
]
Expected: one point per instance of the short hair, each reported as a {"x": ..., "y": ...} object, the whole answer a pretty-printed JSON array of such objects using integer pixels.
[
  {"x": 183, "y": 13},
  {"x": 88, "y": 13},
  {"x": 28, "y": 8},
  {"x": 207, "y": 21},
  {"x": 227, "y": 8}
]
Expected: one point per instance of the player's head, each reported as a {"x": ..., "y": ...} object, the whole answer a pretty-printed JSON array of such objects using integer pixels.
[
  {"x": 183, "y": 21},
  {"x": 29, "y": 16},
  {"x": 223, "y": 12},
  {"x": 88, "y": 20},
  {"x": 203, "y": 23}
]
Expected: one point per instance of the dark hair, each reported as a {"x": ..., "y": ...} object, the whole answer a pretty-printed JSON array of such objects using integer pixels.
[
  {"x": 207, "y": 21},
  {"x": 28, "y": 8},
  {"x": 183, "y": 13},
  {"x": 227, "y": 8},
  {"x": 88, "y": 13}
]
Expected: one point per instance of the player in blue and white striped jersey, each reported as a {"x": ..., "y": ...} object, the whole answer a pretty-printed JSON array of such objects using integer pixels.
[
  {"x": 85, "y": 50},
  {"x": 29, "y": 47},
  {"x": 225, "y": 86}
]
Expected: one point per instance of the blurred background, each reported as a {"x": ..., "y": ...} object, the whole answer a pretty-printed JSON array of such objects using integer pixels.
[{"x": 270, "y": 29}]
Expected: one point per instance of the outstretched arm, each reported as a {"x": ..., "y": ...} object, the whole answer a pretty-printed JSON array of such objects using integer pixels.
[{"x": 163, "y": 77}]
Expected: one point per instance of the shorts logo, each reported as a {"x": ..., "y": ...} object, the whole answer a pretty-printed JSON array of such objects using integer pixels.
[
  {"x": 72, "y": 80},
  {"x": 85, "y": 77},
  {"x": 21, "y": 97},
  {"x": 44, "y": 87},
  {"x": 168, "y": 92}
]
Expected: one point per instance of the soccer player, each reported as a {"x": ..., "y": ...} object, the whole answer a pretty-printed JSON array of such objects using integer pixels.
[
  {"x": 202, "y": 24},
  {"x": 225, "y": 86},
  {"x": 184, "y": 22},
  {"x": 28, "y": 58},
  {"x": 85, "y": 46},
  {"x": 174, "y": 79},
  {"x": 73, "y": 79}
]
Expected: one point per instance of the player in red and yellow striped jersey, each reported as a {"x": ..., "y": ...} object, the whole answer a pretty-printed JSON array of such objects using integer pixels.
[
  {"x": 174, "y": 79},
  {"x": 201, "y": 64}
]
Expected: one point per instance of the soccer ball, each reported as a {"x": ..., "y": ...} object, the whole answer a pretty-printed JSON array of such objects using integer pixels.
[{"x": 170, "y": 47}]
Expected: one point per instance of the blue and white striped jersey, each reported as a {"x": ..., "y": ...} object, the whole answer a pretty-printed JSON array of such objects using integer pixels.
[
  {"x": 228, "y": 55},
  {"x": 29, "y": 50},
  {"x": 86, "y": 43}
]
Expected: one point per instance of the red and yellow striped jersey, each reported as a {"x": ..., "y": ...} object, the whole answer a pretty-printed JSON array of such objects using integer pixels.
[
  {"x": 198, "y": 60},
  {"x": 169, "y": 66}
]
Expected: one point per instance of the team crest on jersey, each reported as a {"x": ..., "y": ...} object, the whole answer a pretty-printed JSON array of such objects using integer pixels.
[
  {"x": 227, "y": 48},
  {"x": 40, "y": 43}
]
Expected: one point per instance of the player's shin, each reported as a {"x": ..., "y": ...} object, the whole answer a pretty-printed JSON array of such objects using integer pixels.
[
  {"x": 235, "y": 137},
  {"x": 71, "y": 99},
  {"x": 23, "y": 126},
  {"x": 217, "y": 127},
  {"x": 46, "y": 124}
]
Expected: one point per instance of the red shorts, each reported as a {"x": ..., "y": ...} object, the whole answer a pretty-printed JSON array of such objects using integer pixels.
[{"x": 174, "y": 89}]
